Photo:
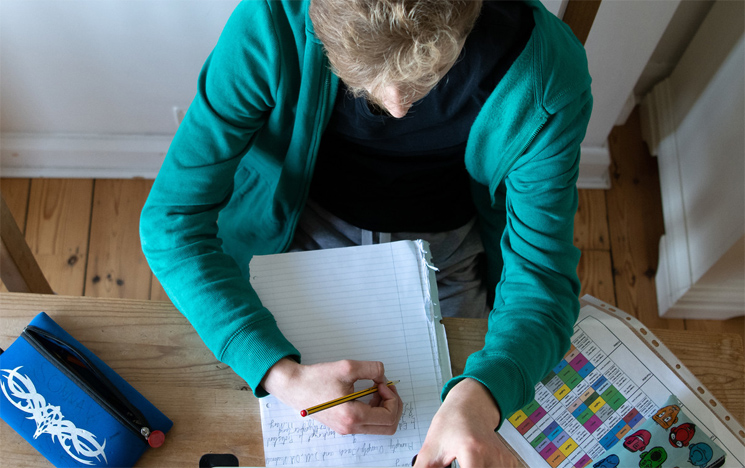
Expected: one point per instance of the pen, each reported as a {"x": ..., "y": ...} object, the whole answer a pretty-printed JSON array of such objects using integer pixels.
[{"x": 344, "y": 399}]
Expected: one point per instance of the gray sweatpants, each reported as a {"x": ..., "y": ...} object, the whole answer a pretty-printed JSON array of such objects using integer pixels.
[{"x": 458, "y": 254}]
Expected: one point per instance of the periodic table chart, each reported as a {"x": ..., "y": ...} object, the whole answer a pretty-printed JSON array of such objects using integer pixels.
[{"x": 598, "y": 394}]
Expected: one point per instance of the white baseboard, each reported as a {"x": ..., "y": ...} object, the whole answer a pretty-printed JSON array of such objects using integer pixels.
[
  {"x": 674, "y": 274},
  {"x": 717, "y": 303},
  {"x": 129, "y": 156},
  {"x": 82, "y": 156},
  {"x": 656, "y": 117},
  {"x": 594, "y": 168}
]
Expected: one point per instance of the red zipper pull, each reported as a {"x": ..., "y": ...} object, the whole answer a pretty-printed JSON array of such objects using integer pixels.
[{"x": 155, "y": 438}]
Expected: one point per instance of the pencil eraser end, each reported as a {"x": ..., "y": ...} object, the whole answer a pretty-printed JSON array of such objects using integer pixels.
[{"x": 303, "y": 413}]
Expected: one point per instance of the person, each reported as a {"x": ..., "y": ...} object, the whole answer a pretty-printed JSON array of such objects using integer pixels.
[{"x": 327, "y": 123}]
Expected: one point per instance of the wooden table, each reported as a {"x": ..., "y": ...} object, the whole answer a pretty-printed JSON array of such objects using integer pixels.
[{"x": 155, "y": 348}]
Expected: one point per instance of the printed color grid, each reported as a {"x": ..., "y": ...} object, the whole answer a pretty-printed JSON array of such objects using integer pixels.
[{"x": 578, "y": 412}]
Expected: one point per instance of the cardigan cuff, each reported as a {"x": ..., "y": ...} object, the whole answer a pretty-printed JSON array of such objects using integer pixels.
[
  {"x": 501, "y": 376},
  {"x": 254, "y": 349}
]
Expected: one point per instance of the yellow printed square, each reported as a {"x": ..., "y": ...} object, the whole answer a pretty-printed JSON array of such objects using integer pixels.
[
  {"x": 562, "y": 392},
  {"x": 518, "y": 418},
  {"x": 568, "y": 447},
  {"x": 597, "y": 404}
]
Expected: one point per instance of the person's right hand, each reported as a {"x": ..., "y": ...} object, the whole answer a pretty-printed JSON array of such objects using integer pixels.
[
  {"x": 301, "y": 386},
  {"x": 463, "y": 429}
]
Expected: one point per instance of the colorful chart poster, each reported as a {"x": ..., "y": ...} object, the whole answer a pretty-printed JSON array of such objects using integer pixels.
[{"x": 605, "y": 390}]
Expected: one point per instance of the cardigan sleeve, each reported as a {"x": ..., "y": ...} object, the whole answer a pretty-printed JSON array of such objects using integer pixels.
[
  {"x": 178, "y": 225},
  {"x": 536, "y": 299}
]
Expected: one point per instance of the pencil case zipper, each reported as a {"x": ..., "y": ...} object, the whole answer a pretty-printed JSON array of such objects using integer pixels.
[{"x": 133, "y": 420}]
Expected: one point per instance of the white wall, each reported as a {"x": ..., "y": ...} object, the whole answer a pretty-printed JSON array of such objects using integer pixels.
[
  {"x": 102, "y": 67},
  {"x": 635, "y": 28},
  {"x": 677, "y": 36}
]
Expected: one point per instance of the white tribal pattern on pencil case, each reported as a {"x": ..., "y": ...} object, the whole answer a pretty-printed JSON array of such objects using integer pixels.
[{"x": 49, "y": 418}]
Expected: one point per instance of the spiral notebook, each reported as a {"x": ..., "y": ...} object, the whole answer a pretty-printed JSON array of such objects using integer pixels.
[{"x": 375, "y": 302}]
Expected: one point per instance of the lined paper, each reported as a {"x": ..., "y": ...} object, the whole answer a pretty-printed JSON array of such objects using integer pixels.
[{"x": 363, "y": 303}]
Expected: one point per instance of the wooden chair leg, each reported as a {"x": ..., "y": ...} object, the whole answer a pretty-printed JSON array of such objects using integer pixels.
[{"x": 18, "y": 268}]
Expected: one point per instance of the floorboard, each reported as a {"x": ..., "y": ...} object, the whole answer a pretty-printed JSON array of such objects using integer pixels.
[
  {"x": 733, "y": 325},
  {"x": 596, "y": 275},
  {"x": 57, "y": 231},
  {"x": 116, "y": 266},
  {"x": 591, "y": 221},
  {"x": 579, "y": 16},
  {"x": 157, "y": 293},
  {"x": 15, "y": 193},
  {"x": 635, "y": 224}
]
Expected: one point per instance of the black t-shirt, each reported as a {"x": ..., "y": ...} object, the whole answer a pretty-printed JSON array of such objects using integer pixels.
[{"x": 385, "y": 174}]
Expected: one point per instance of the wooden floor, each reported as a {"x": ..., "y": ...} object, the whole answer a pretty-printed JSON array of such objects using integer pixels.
[{"x": 84, "y": 234}]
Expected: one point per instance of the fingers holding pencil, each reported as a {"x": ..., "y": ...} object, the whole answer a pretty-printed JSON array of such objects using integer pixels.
[
  {"x": 380, "y": 416},
  {"x": 348, "y": 398},
  {"x": 366, "y": 418},
  {"x": 387, "y": 398},
  {"x": 301, "y": 386},
  {"x": 389, "y": 392}
]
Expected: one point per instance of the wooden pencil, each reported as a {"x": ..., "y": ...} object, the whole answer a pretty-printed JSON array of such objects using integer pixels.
[{"x": 344, "y": 399}]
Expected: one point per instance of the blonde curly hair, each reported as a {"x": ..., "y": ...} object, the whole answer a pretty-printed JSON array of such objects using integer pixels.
[{"x": 409, "y": 44}]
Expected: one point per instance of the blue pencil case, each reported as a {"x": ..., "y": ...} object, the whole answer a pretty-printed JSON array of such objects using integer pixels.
[{"x": 69, "y": 405}]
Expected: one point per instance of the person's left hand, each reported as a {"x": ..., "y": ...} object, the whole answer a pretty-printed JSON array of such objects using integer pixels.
[{"x": 463, "y": 428}]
